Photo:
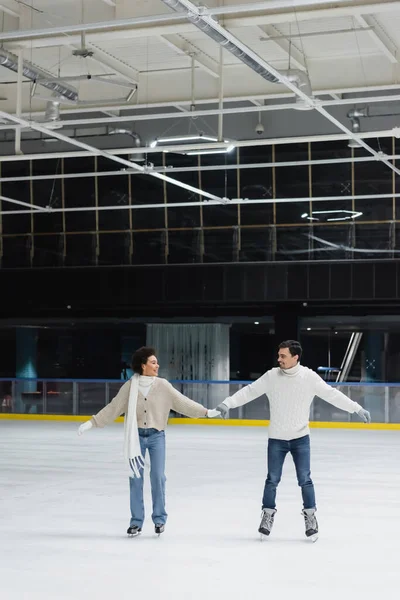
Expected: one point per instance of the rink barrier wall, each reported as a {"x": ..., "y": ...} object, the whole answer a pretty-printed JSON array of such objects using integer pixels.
[
  {"x": 74, "y": 399},
  {"x": 210, "y": 422}
]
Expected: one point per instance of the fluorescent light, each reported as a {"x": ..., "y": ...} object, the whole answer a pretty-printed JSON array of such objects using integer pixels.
[
  {"x": 197, "y": 152},
  {"x": 183, "y": 138},
  {"x": 308, "y": 328},
  {"x": 199, "y": 137},
  {"x": 256, "y": 322}
]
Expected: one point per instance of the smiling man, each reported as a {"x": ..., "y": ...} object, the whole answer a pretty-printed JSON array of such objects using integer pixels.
[{"x": 291, "y": 389}]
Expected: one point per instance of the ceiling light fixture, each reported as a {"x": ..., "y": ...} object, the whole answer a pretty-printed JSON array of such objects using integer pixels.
[
  {"x": 345, "y": 215},
  {"x": 226, "y": 145}
]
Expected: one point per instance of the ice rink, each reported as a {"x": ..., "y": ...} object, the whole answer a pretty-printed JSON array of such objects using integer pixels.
[{"x": 65, "y": 510}]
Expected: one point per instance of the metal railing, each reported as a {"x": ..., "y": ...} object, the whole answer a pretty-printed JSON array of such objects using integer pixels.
[{"x": 87, "y": 397}]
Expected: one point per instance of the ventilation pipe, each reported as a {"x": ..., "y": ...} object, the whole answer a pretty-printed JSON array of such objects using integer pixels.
[
  {"x": 33, "y": 73},
  {"x": 137, "y": 142},
  {"x": 354, "y": 115},
  {"x": 52, "y": 115},
  {"x": 302, "y": 81},
  {"x": 299, "y": 78}
]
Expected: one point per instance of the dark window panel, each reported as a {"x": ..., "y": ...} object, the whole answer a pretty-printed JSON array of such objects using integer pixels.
[
  {"x": 371, "y": 238},
  {"x": 184, "y": 246},
  {"x": 222, "y": 184},
  {"x": 289, "y": 152},
  {"x": 185, "y": 216},
  {"x": 15, "y": 169},
  {"x": 220, "y": 215},
  {"x": 16, "y": 252},
  {"x": 291, "y": 212},
  {"x": 291, "y": 182},
  {"x": 20, "y": 223},
  {"x": 80, "y": 250},
  {"x": 80, "y": 193},
  {"x": 148, "y": 218},
  {"x": 372, "y": 177},
  {"x": 148, "y": 248},
  {"x": 106, "y": 164},
  {"x": 51, "y": 166},
  {"x": 292, "y": 243},
  {"x": 255, "y": 244},
  {"x": 79, "y": 165},
  {"x": 331, "y": 179},
  {"x": 219, "y": 245},
  {"x": 331, "y": 242},
  {"x": 147, "y": 190},
  {"x": 255, "y": 154},
  {"x": 374, "y": 209},
  {"x": 48, "y": 251},
  {"x": 113, "y": 191},
  {"x": 330, "y": 150},
  {"x": 47, "y": 192},
  {"x": 256, "y": 184},
  {"x": 114, "y": 249}
]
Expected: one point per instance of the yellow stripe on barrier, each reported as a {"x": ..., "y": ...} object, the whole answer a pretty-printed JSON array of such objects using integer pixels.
[{"x": 212, "y": 422}]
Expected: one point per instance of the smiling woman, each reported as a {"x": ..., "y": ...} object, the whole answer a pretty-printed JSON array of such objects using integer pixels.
[{"x": 146, "y": 401}]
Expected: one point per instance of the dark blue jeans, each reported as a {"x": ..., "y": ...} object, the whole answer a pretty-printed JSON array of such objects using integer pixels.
[{"x": 300, "y": 451}]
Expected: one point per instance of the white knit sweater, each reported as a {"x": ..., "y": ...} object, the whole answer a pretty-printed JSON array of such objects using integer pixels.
[{"x": 290, "y": 393}]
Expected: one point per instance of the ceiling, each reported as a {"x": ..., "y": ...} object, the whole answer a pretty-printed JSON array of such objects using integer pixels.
[{"x": 147, "y": 68}]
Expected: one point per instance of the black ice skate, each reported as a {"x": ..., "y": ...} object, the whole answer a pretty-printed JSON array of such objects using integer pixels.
[
  {"x": 267, "y": 521},
  {"x": 311, "y": 523},
  {"x": 159, "y": 529},
  {"x": 134, "y": 530}
]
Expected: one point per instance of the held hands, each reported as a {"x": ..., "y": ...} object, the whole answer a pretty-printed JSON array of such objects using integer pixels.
[
  {"x": 211, "y": 413},
  {"x": 84, "y": 427},
  {"x": 223, "y": 409},
  {"x": 364, "y": 415}
]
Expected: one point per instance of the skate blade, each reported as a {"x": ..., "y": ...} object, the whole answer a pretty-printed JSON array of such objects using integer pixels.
[
  {"x": 133, "y": 535},
  {"x": 263, "y": 537},
  {"x": 313, "y": 538}
]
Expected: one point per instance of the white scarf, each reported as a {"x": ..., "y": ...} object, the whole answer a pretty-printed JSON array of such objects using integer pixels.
[{"x": 132, "y": 449}]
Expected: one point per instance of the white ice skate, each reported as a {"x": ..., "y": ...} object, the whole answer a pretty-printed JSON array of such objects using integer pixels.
[
  {"x": 311, "y": 524},
  {"x": 267, "y": 521}
]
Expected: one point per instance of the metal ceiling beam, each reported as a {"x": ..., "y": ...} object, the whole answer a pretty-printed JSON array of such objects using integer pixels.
[
  {"x": 250, "y": 97},
  {"x": 182, "y": 114},
  {"x": 186, "y": 48},
  {"x": 292, "y": 52},
  {"x": 379, "y": 36},
  {"x": 116, "y": 64},
  {"x": 221, "y": 167},
  {"x": 233, "y": 201},
  {"x": 9, "y": 11},
  {"x": 395, "y": 132}
]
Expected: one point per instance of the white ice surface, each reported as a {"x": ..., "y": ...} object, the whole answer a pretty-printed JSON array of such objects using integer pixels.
[{"x": 64, "y": 510}]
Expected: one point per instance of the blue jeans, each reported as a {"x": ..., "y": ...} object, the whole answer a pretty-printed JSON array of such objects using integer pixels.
[
  {"x": 300, "y": 451},
  {"x": 153, "y": 441}
]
